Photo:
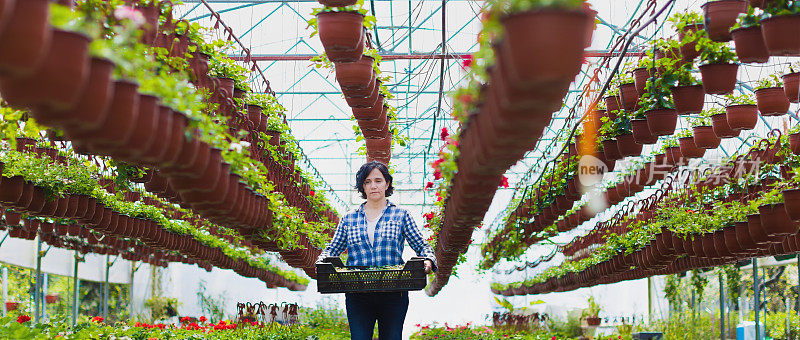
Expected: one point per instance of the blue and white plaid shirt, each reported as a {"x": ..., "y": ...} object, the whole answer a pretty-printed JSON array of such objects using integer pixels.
[{"x": 394, "y": 227}]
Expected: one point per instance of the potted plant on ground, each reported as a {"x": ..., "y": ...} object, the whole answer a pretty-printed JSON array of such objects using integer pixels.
[
  {"x": 781, "y": 28},
  {"x": 770, "y": 97},
  {"x": 746, "y": 33},
  {"x": 741, "y": 112},
  {"x": 591, "y": 313},
  {"x": 718, "y": 66}
]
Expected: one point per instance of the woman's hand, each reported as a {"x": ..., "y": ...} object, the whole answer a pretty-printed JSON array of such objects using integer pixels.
[{"x": 428, "y": 266}]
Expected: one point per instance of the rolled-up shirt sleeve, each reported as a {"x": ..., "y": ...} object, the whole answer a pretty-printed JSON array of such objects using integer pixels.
[
  {"x": 338, "y": 243},
  {"x": 415, "y": 240}
]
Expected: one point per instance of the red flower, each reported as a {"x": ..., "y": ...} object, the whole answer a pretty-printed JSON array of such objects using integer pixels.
[
  {"x": 312, "y": 193},
  {"x": 203, "y": 319},
  {"x": 184, "y": 319},
  {"x": 467, "y": 60},
  {"x": 439, "y": 199},
  {"x": 504, "y": 182},
  {"x": 428, "y": 185},
  {"x": 97, "y": 319},
  {"x": 428, "y": 216},
  {"x": 444, "y": 134},
  {"x": 23, "y": 318},
  {"x": 437, "y": 175}
]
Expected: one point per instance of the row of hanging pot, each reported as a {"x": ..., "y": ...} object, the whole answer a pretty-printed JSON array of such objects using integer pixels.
[
  {"x": 773, "y": 230},
  {"x": 526, "y": 85},
  {"x": 342, "y": 35},
  {"x": 64, "y": 87},
  {"x": 770, "y": 102},
  {"x": 24, "y": 197},
  {"x": 77, "y": 237}
]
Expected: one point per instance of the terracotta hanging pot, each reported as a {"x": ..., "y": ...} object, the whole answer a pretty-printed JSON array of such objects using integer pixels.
[
  {"x": 640, "y": 77},
  {"x": 705, "y": 138},
  {"x": 11, "y": 189},
  {"x": 356, "y": 75},
  {"x": 526, "y": 36},
  {"x": 689, "y": 149},
  {"x": 142, "y": 137},
  {"x": 613, "y": 103},
  {"x": 611, "y": 149},
  {"x": 25, "y": 37},
  {"x": 628, "y": 96},
  {"x": 254, "y": 115},
  {"x": 750, "y": 46},
  {"x": 641, "y": 132},
  {"x": 791, "y": 199},
  {"x": 794, "y": 143},
  {"x": 741, "y": 117},
  {"x": 176, "y": 141},
  {"x": 772, "y": 101},
  {"x": 720, "y": 16},
  {"x": 782, "y": 34},
  {"x": 791, "y": 83},
  {"x": 24, "y": 199},
  {"x": 120, "y": 118},
  {"x": 91, "y": 108},
  {"x": 719, "y": 78},
  {"x": 58, "y": 80},
  {"x": 341, "y": 32},
  {"x": 689, "y": 50},
  {"x": 688, "y": 99},
  {"x": 662, "y": 122},
  {"x": 365, "y": 101},
  {"x": 721, "y": 128},
  {"x": 374, "y": 112},
  {"x": 156, "y": 151},
  {"x": 775, "y": 220}
]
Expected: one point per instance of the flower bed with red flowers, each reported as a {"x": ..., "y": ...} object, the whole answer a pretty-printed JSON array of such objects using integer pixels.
[{"x": 22, "y": 327}]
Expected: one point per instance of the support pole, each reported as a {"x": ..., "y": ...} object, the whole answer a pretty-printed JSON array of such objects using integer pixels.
[
  {"x": 721, "y": 308},
  {"x": 45, "y": 284},
  {"x": 105, "y": 289},
  {"x": 650, "y": 298},
  {"x": 75, "y": 290},
  {"x": 5, "y": 289},
  {"x": 130, "y": 290},
  {"x": 37, "y": 296},
  {"x": 756, "y": 299}
]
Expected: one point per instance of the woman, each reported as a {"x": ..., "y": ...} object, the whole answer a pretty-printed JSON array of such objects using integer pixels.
[{"x": 373, "y": 235}]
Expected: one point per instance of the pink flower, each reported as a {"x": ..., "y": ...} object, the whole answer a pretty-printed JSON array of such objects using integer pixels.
[
  {"x": 504, "y": 182},
  {"x": 129, "y": 13},
  {"x": 467, "y": 60},
  {"x": 428, "y": 185},
  {"x": 444, "y": 134}
]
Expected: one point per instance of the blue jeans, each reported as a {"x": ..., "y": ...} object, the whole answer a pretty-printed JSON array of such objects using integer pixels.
[{"x": 389, "y": 309}]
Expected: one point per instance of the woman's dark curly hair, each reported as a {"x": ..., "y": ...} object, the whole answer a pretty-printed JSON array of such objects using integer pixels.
[{"x": 362, "y": 174}]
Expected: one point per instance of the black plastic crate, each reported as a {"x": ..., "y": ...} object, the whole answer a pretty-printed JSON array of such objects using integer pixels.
[{"x": 365, "y": 280}]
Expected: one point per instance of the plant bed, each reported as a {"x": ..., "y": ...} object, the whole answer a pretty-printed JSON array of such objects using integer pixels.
[{"x": 334, "y": 277}]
